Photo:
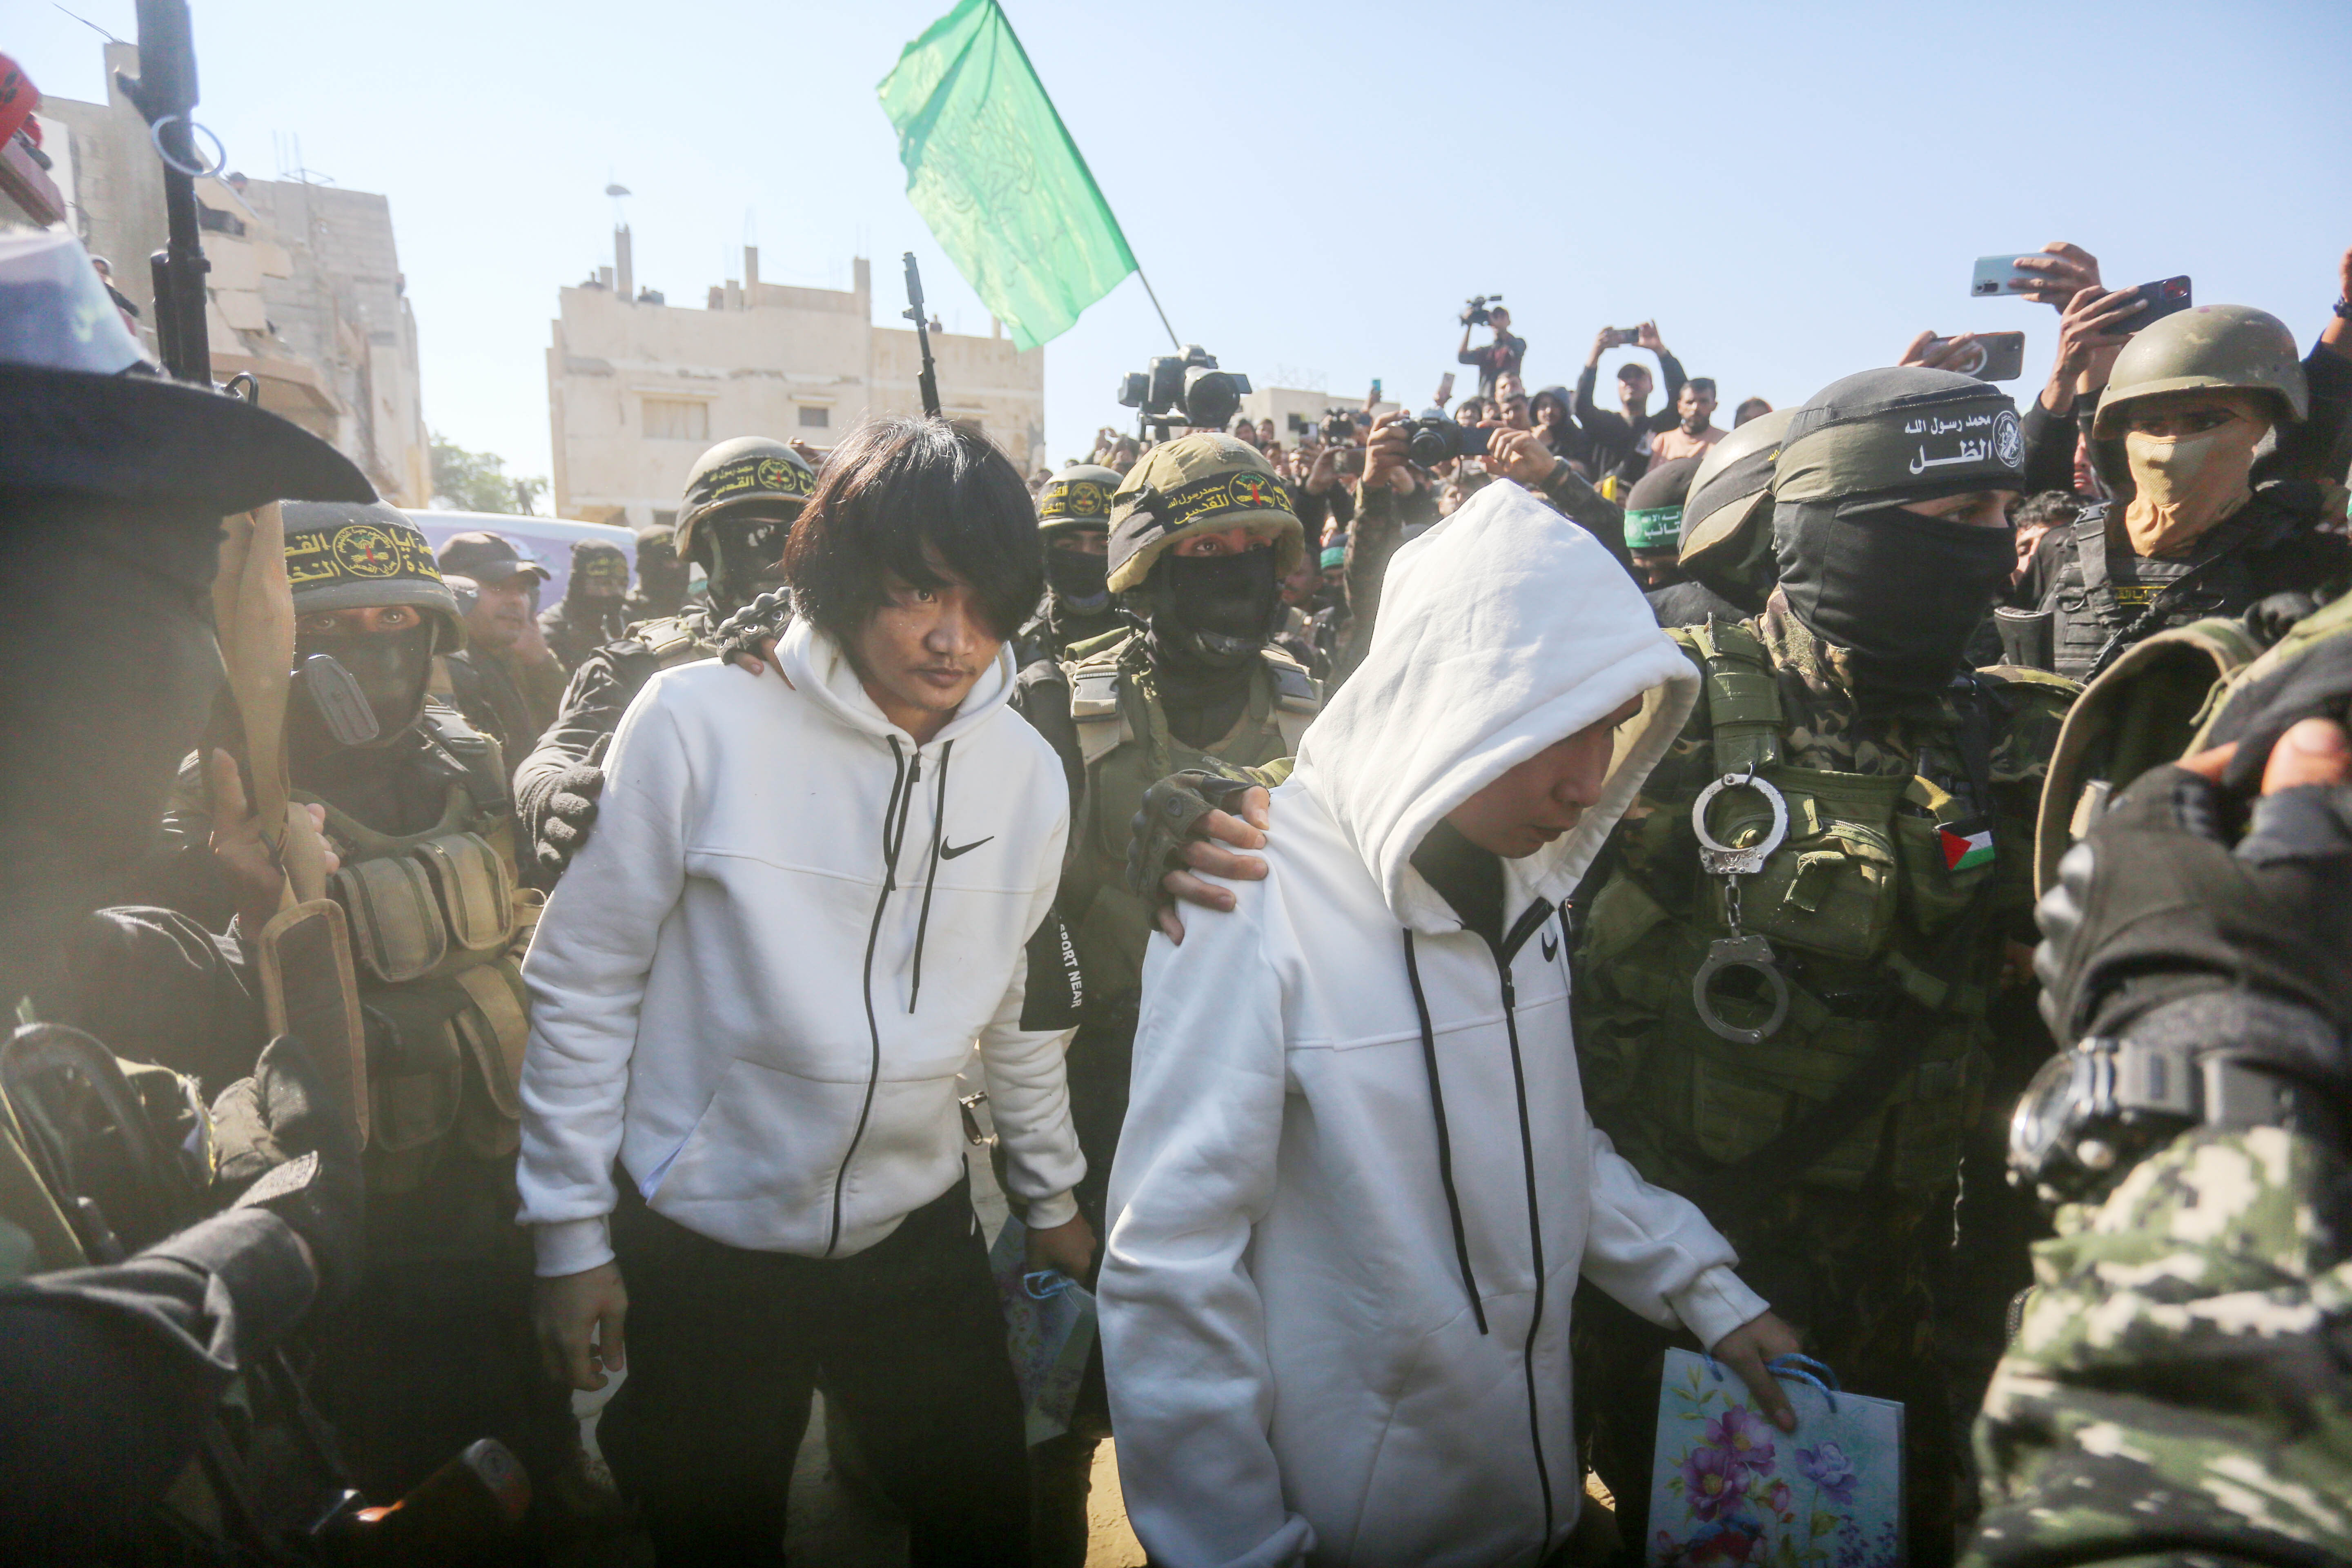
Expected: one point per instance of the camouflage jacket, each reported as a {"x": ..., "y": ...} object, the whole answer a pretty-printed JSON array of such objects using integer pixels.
[{"x": 2179, "y": 1389}]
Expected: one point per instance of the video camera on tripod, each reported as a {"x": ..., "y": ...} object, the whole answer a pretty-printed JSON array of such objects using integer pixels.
[{"x": 1187, "y": 390}]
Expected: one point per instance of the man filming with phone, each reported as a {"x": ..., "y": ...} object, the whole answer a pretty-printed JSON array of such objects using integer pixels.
[
  {"x": 1618, "y": 438},
  {"x": 1498, "y": 359}
]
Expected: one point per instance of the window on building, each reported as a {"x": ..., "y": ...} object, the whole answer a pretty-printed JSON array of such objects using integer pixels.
[
  {"x": 677, "y": 419},
  {"x": 815, "y": 418}
]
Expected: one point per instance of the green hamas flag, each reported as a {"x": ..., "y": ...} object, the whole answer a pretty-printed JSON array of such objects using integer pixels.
[{"x": 996, "y": 174}]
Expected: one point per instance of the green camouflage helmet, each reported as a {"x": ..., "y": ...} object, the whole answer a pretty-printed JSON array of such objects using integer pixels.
[
  {"x": 1077, "y": 496},
  {"x": 1204, "y": 483},
  {"x": 1727, "y": 534},
  {"x": 2218, "y": 347},
  {"x": 735, "y": 472},
  {"x": 341, "y": 555}
]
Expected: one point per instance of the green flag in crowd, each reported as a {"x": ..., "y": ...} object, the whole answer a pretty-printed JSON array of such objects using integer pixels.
[{"x": 992, "y": 169}]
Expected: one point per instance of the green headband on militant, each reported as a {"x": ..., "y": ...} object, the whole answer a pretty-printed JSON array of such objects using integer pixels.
[{"x": 1653, "y": 528}]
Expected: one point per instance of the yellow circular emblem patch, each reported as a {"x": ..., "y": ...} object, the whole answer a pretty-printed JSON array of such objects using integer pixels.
[{"x": 363, "y": 550}]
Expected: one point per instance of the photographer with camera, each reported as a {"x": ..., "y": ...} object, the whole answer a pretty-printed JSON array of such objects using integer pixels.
[
  {"x": 1500, "y": 357},
  {"x": 1619, "y": 443}
]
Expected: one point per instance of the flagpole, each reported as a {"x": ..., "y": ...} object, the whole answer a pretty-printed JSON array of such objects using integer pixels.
[{"x": 1155, "y": 305}]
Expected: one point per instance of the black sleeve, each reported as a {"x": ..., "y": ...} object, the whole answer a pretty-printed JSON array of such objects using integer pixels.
[
  {"x": 1312, "y": 510},
  {"x": 1670, "y": 370},
  {"x": 599, "y": 693},
  {"x": 157, "y": 986},
  {"x": 1588, "y": 414},
  {"x": 2305, "y": 449},
  {"x": 2042, "y": 572},
  {"x": 1342, "y": 502},
  {"x": 1589, "y": 510},
  {"x": 2049, "y": 449},
  {"x": 107, "y": 1375},
  {"x": 1471, "y": 357}
]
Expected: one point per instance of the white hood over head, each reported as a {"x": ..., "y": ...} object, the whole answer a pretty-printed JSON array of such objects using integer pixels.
[{"x": 1504, "y": 629}]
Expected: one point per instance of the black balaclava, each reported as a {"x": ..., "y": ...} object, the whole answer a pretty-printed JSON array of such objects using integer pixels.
[
  {"x": 1078, "y": 580},
  {"x": 1209, "y": 619},
  {"x": 1901, "y": 592},
  {"x": 1212, "y": 611},
  {"x": 662, "y": 577},
  {"x": 391, "y": 671},
  {"x": 740, "y": 550}
]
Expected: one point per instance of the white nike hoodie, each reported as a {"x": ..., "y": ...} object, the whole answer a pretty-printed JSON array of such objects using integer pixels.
[
  {"x": 757, "y": 983},
  {"x": 1357, "y": 1183}
]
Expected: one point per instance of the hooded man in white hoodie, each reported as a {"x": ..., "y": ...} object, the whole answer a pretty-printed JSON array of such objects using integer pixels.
[
  {"x": 752, "y": 993},
  {"x": 1358, "y": 1185}
]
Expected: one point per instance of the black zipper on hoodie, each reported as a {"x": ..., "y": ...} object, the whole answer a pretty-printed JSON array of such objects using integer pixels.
[
  {"x": 1530, "y": 922},
  {"x": 894, "y": 835}
]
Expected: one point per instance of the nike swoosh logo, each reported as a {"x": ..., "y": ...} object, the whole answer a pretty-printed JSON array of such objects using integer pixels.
[
  {"x": 1551, "y": 947},
  {"x": 949, "y": 851}
]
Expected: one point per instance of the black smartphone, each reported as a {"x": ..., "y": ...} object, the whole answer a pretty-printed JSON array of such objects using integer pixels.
[
  {"x": 1994, "y": 356},
  {"x": 2164, "y": 297}
]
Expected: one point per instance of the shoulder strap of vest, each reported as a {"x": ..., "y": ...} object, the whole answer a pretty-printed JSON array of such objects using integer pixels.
[
  {"x": 1096, "y": 708},
  {"x": 2091, "y": 560},
  {"x": 671, "y": 640},
  {"x": 477, "y": 754},
  {"x": 1743, "y": 696}
]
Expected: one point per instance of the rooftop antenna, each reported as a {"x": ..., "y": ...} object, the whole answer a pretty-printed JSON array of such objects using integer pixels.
[
  {"x": 617, "y": 190},
  {"x": 93, "y": 26}
]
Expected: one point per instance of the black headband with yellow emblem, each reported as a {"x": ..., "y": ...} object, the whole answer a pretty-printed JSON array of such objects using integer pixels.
[
  {"x": 341, "y": 556},
  {"x": 1212, "y": 490}
]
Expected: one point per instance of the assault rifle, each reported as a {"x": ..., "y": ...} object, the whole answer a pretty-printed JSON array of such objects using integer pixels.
[
  {"x": 165, "y": 93},
  {"x": 929, "y": 380}
]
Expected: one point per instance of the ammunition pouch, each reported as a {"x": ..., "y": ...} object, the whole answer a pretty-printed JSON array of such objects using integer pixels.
[{"x": 2025, "y": 636}]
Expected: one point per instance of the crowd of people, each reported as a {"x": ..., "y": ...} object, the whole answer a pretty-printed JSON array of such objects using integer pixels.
[{"x": 1424, "y": 914}]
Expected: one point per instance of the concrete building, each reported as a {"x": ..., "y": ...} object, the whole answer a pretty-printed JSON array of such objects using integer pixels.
[
  {"x": 638, "y": 387},
  {"x": 305, "y": 294},
  {"x": 1296, "y": 410}
]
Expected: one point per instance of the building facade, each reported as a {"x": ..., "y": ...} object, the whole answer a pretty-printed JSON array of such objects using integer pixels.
[
  {"x": 305, "y": 294},
  {"x": 638, "y": 388}
]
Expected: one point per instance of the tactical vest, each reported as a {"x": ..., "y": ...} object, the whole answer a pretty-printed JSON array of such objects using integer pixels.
[
  {"x": 438, "y": 927},
  {"x": 2104, "y": 594},
  {"x": 1875, "y": 924},
  {"x": 1126, "y": 747}
]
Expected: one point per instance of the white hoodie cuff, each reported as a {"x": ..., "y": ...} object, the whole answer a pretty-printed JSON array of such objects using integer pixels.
[
  {"x": 1044, "y": 1214},
  {"x": 572, "y": 1245},
  {"x": 1710, "y": 1306}
]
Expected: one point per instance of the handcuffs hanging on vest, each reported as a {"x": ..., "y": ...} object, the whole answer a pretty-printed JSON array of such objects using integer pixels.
[{"x": 1734, "y": 951}]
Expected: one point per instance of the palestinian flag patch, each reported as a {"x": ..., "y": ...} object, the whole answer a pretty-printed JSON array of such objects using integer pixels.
[{"x": 1966, "y": 845}]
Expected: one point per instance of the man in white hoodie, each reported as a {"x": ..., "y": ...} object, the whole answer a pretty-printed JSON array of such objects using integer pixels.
[
  {"x": 753, "y": 990},
  {"x": 1357, "y": 1185}
]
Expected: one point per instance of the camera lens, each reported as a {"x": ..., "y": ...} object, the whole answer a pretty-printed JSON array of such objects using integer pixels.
[
  {"x": 1211, "y": 399},
  {"x": 1432, "y": 441}
]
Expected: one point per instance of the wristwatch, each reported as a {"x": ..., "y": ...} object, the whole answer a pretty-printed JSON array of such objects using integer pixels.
[
  {"x": 2344, "y": 307},
  {"x": 2094, "y": 1112}
]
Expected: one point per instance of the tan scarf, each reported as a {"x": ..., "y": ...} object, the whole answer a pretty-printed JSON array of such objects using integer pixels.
[{"x": 2188, "y": 483}]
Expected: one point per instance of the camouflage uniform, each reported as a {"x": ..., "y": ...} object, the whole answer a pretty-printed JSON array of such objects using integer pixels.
[
  {"x": 2177, "y": 1391},
  {"x": 1849, "y": 1252}
]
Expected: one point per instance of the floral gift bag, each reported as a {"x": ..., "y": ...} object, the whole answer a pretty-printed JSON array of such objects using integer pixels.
[
  {"x": 1049, "y": 1327},
  {"x": 1728, "y": 1487}
]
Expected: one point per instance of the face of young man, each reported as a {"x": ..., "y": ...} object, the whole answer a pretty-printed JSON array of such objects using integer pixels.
[
  {"x": 1633, "y": 383},
  {"x": 1545, "y": 796},
  {"x": 1696, "y": 406},
  {"x": 922, "y": 651}
]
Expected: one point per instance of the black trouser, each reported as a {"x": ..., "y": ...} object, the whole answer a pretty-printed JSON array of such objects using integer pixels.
[{"x": 724, "y": 1347}]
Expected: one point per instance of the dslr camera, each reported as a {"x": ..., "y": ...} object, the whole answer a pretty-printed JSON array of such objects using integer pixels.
[
  {"x": 1435, "y": 439},
  {"x": 1187, "y": 389},
  {"x": 1339, "y": 428},
  {"x": 1475, "y": 314}
]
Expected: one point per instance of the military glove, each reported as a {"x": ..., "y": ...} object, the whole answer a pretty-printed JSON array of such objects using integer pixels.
[
  {"x": 571, "y": 812},
  {"x": 743, "y": 632},
  {"x": 2315, "y": 685},
  {"x": 2155, "y": 904},
  {"x": 1169, "y": 818},
  {"x": 283, "y": 1144}
]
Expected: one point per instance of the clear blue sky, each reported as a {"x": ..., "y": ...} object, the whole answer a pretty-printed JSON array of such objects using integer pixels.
[{"x": 1790, "y": 190}]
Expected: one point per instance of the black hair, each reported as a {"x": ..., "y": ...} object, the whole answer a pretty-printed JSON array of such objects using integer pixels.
[
  {"x": 2046, "y": 508},
  {"x": 1703, "y": 384},
  {"x": 909, "y": 497}
]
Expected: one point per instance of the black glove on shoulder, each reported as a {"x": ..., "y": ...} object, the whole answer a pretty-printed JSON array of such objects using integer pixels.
[
  {"x": 570, "y": 811},
  {"x": 280, "y": 1138},
  {"x": 2155, "y": 905},
  {"x": 1169, "y": 818},
  {"x": 743, "y": 632}
]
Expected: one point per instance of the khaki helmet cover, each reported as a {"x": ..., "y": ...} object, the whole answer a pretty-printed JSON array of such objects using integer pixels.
[
  {"x": 341, "y": 555},
  {"x": 739, "y": 471},
  {"x": 1195, "y": 485},
  {"x": 1726, "y": 517},
  {"x": 2207, "y": 347}
]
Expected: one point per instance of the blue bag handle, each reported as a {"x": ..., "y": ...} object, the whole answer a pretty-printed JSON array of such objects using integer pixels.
[
  {"x": 1044, "y": 1284},
  {"x": 1801, "y": 1368}
]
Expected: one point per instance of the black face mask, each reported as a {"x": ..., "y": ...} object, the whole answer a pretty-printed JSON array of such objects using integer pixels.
[
  {"x": 1078, "y": 580},
  {"x": 743, "y": 553},
  {"x": 1214, "y": 610},
  {"x": 1900, "y": 591},
  {"x": 390, "y": 670}
]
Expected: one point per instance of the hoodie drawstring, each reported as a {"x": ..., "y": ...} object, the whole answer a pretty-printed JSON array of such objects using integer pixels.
[
  {"x": 1444, "y": 1136},
  {"x": 894, "y": 836},
  {"x": 938, "y": 823}
]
